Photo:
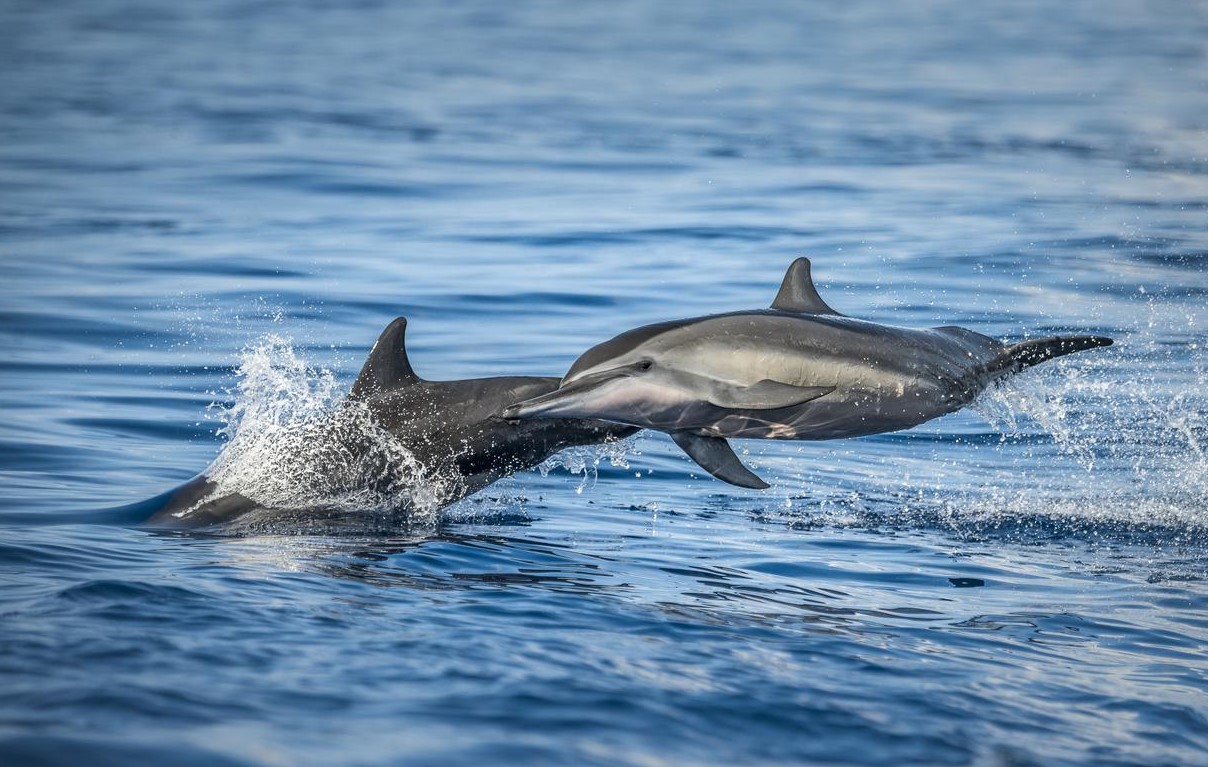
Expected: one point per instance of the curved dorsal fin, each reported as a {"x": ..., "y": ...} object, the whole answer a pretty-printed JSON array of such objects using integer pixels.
[
  {"x": 797, "y": 292},
  {"x": 387, "y": 366}
]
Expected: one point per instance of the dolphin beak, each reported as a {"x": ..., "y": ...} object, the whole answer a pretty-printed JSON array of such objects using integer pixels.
[
  {"x": 565, "y": 400},
  {"x": 535, "y": 407}
]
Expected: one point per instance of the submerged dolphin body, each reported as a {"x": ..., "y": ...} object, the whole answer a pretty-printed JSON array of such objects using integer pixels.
[
  {"x": 799, "y": 370},
  {"x": 454, "y": 429}
]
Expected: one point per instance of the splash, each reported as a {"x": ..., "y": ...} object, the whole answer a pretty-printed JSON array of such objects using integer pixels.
[
  {"x": 1140, "y": 442},
  {"x": 291, "y": 443},
  {"x": 1105, "y": 455},
  {"x": 585, "y": 461},
  {"x": 1108, "y": 453}
]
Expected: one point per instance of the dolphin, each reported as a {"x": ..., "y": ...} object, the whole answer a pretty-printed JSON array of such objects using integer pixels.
[
  {"x": 454, "y": 429},
  {"x": 799, "y": 370}
]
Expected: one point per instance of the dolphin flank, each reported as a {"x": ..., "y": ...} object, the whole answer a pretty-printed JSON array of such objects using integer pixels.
[{"x": 799, "y": 370}]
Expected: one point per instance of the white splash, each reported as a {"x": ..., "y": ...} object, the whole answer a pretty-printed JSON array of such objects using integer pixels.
[
  {"x": 1140, "y": 442},
  {"x": 585, "y": 461},
  {"x": 292, "y": 444},
  {"x": 1113, "y": 450}
]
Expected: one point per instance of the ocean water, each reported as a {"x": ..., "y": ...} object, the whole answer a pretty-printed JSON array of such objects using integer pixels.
[{"x": 209, "y": 210}]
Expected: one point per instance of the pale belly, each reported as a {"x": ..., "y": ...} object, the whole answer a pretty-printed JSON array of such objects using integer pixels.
[{"x": 837, "y": 415}]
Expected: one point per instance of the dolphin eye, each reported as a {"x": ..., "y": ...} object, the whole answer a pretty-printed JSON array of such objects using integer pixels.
[{"x": 645, "y": 365}]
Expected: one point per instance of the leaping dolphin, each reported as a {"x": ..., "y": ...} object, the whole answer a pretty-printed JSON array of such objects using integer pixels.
[
  {"x": 799, "y": 370},
  {"x": 454, "y": 429}
]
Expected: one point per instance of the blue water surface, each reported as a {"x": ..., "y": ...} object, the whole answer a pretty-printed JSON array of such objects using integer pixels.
[{"x": 213, "y": 208}]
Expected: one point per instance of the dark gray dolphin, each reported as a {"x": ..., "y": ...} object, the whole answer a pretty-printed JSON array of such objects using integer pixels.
[
  {"x": 799, "y": 370},
  {"x": 453, "y": 428}
]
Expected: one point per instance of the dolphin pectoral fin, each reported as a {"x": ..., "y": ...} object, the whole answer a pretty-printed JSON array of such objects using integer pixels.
[
  {"x": 797, "y": 292},
  {"x": 714, "y": 455},
  {"x": 765, "y": 395}
]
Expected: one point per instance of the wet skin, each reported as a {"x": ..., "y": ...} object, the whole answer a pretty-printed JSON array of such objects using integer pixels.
[{"x": 798, "y": 370}]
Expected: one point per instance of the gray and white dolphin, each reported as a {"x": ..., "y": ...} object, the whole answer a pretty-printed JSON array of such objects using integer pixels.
[
  {"x": 799, "y": 370},
  {"x": 454, "y": 429}
]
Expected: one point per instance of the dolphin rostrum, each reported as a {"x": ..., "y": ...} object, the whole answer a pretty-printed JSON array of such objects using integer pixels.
[
  {"x": 799, "y": 370},
  {"x": 453, "y": 429}
]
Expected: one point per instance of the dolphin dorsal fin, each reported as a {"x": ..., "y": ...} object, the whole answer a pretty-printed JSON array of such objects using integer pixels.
[
  {"x": 387, "y": 366},
  {"x": 797, "y": 292}
]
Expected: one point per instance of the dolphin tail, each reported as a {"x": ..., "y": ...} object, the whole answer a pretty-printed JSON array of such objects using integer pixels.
[{"x": 1025, "y": 354}]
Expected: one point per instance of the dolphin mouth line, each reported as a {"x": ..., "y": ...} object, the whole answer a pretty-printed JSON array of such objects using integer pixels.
[
  {"x": 519, "y": 410},
  {"x": 620, "y": 371},
  {"x": 532, "y": 408}
]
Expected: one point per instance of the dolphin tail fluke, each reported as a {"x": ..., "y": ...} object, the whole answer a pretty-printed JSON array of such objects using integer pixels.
[
  {"x": 1028, "y": 353},
  {"x": 714, "y": 455}
]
